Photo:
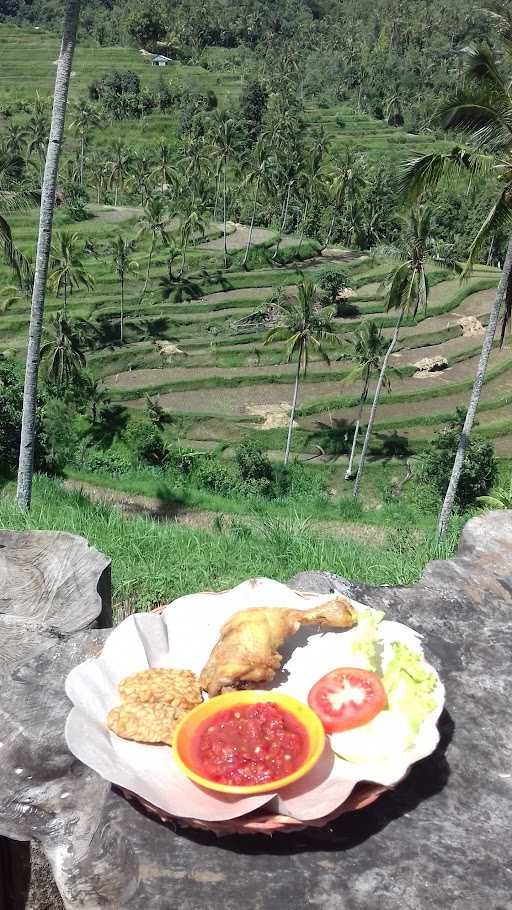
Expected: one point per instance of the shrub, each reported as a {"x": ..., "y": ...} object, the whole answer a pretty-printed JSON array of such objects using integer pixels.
[
  {"x": 331, "y": 281},
  {"x": 252, "y": 463},
  {"x": 117, "y": 82},
  {"x": 253, "y": 103},
  {"x": 146, "y": 444},
  {"x": 59, "y": 425},
  {"x": 11, "y": 404},
  {"x": 179, "y": 461},
  {"x": 215, "y": 475},
  {"x": 75, "y": 201},
  {"x": 108, "y": 462},
  {"x": 300, "y": 482},
  {"x": 479, "y": 472}
]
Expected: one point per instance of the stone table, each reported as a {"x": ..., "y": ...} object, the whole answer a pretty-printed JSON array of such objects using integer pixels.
[{"x": 441, "y": 839}]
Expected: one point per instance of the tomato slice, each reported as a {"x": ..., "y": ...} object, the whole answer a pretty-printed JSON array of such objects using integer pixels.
[{"x": 347, "y": 698}]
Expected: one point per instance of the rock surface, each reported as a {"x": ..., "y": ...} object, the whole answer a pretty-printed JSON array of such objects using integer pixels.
[
  {"x": 471, "y": 327},
  {"x": 439, "y": 840},
  {"x": 429, "y": 365}
]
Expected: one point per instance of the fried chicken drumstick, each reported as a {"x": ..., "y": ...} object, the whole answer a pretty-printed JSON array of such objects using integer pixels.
[{"x": 247, "y": 650}]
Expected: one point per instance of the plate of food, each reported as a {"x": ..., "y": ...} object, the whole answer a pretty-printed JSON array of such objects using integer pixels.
[{"x": 258, "y": 699}]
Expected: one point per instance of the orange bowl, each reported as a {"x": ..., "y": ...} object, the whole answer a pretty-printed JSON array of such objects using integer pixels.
[{"x": 188, "y": 726}]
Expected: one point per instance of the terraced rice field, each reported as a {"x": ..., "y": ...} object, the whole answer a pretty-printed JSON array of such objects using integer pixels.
[{"x": 226, "y": 382}]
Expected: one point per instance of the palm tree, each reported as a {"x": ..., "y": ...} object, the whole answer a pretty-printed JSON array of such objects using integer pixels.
[
  {"x": 346, "y": 182},
  {"x": 62, "y": 352},
  {"x": 123, "y": 263},
  {"x": 38, "y": 129},
  {"x": 95, "y": 394},
  {"x": 68, "y": 270},
  {"x": 483, "y": 113},
  {"x": 9, "y": 295},
  {"x": 196, "y": 163},
  {"x": 154, "y": 222},
  {"x": 164, "y": 170},
  {"x": 192, "y": 223},
  {"x": 141, "y": 177},
  {"x": 98, "y": 173},
  {"x": 288, "y": 170},
  {"x": 28, "y": 423},
  {"x": 305, "y": 327},
  {"x": 408, "y": 290},
  {"x": 119, "y": 166},
  {"x": 311, "y": 184},
  {"x": 85, "y": 118},
  {"x": 368, "y": 346},
  {"x": 225, "y": 141},
  {"x": 15, "y": 194},
  {"x": 260, "y": 172},
  {"x": 174, "y": 251},
  {"x": 16, "y": 138}
]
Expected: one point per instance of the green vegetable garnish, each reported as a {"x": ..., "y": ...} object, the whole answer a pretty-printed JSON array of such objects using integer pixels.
[
  {"x": 365, "y": 642},
  {"x": 409, "y": 685}
]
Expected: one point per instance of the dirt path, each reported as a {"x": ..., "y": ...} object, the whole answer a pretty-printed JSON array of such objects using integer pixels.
[
  {"x": 237, "y": 238},
  {"x": 158, "y": 510},
  {"x": 115, "y": 213}
]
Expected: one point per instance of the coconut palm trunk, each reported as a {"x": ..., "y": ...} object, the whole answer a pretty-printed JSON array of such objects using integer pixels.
[
  {"x": 331, "y": 229},
  {"x": 458, "y": 463},
  {"x": 375, "y": 404},
  {"x": 362, "y": 401},
  {"x": 225, "y": 219},
  {"x": 65, "y": 295},
  {"x": 303, "y": 226},
  {"x": 283, "y": 222},
  {"x": 48, "y": 189},
  {"x": 150, "y": 259},
  {"x": 286, "y": 205},
  {"x": 251, "y": 228},
  {"x": 82, "y": 143},
  {"x": 217, "y": 190},
  {"x": 121, "y": 333},
  {"x": 293, "y": 408}
]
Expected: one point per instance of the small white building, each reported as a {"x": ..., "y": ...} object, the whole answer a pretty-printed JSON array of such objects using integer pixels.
[{"x": 160, "y": 60}]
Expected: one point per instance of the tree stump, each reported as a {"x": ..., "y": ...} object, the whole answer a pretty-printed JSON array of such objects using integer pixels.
[{"x": 54, "y": 580}]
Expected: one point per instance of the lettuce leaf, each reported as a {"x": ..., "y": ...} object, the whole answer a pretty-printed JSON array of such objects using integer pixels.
[
  {"x": 366, "y": 646},
  {"x": 409, "y": 685}
]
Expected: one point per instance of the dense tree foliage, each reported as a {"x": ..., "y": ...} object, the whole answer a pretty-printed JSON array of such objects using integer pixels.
[
  {"x": 480, "y": 469},
  {"x": 392, "y": 58}
]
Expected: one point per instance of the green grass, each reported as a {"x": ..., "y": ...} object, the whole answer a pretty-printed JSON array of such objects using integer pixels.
[{"x": 155, "y": 562}]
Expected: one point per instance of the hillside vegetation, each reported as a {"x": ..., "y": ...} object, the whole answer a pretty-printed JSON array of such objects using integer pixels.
[{"x": 200, "y": 206}]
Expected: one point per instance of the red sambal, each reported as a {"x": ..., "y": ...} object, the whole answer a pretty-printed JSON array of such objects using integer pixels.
[{"x": 250, "y": 744}]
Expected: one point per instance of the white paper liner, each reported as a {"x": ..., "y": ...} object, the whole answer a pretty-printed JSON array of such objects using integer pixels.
[{"x": 183, "y": 637}]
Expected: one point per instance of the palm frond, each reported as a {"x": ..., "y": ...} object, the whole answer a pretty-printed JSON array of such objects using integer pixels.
[
  {"x": 481, "y": 68},
  {"x": 500, "y": 216},
  {"x": 501, "y": 16},
  {"x": 420, "y": 175},
  {"x": 484, "y": 122},
  {"x": 15, "y": 258}
]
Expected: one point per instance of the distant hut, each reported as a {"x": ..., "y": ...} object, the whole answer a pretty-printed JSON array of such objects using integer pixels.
[{"x": 160, "y": 60}]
